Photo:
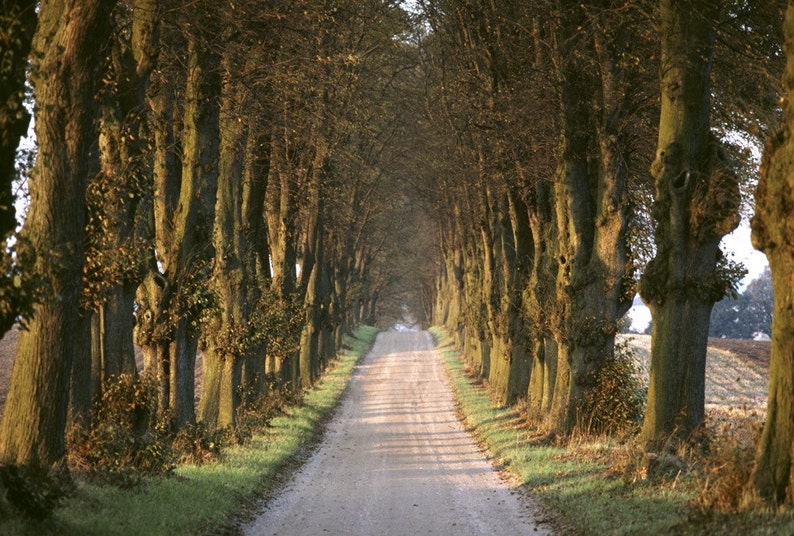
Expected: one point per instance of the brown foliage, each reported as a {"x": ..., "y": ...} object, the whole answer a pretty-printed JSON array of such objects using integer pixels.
[{"x": 123, "y": 441}]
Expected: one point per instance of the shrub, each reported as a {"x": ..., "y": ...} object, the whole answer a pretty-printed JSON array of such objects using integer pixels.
[
  {"x": 257, "y": 410},
  {"x": 31, "y": 492},
  {"x": 198, "y": 445},
  {"x": 124, "y": 440},
  {"x": 616, "y": 402}
]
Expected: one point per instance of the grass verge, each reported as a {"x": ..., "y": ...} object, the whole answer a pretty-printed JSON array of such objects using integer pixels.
[
  {"x": 206, "y": 499},
  {"x": 580, "y": 481}
]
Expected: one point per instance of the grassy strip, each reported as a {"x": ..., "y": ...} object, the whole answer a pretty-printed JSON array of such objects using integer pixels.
[
  {"x": 206, "y": 499},
  {"x": 576, "y": 481}
]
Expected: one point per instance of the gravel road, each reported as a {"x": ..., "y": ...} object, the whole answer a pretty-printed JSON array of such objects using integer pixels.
[{"x": 395, "y": 460}]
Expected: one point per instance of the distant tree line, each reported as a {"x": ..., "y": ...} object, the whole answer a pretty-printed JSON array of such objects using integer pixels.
[{"x": 748, "y": 315}]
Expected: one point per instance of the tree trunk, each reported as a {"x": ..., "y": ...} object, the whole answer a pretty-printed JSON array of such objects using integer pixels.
[
  {"x": 228, "y": 333},
  {"x": 154, "y": 327},
  {"x": 308, "y": 353},
  {"x": 181, "y": 374},
  {"x": 152, "y": 332},
  {"x": 255, "y": 177},
  {"x": 539, "y": 299},
  {"x": 575, "y": 195},
  {"x": 170, "y": 300},
  {"x": 771, "y": 480},
  {"x": 117, "y": 323},
  {"x": 517, "y": 276},
  {"x": 696, "y": 204},
  {"x": 281, "y": 212},
  {"x": 192, "y": 224},
  {"x": 125, "y": 187},
  {"x": 85, "y": 378},
  {"x": 68, "y": 48}
]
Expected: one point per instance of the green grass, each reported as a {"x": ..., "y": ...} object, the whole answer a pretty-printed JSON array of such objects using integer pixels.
[
  {"x": 576, "y": 482},
  {"x": 204, "y": 499}
]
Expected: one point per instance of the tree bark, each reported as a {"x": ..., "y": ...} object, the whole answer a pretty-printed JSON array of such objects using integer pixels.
[
  {"x": 539, "y": 299},
  {"x": 85, "y": 380},
  {"x": 255, "y": 177},
  {"x": 154, "y": 326},
  {"x": 192, "y": 224},
  {"x": 517, "y": 275},
  {"x": 594, "y": 283},
  {"x": 67, "y": 52},
  {"x": 174, "y": 291},
  {"x": 281, "y": 212},
  {"x": 125, "y": 187},
  {"x": 310, "y": 283}
]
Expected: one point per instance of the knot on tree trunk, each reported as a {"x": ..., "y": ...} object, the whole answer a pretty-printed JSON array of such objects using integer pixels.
[{"x": 715, "y": 201}]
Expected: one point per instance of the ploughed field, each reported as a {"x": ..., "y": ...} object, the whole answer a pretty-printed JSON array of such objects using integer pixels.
[
  {"x": 736, "y": 380},
  {"x": 736, "y": 373}
]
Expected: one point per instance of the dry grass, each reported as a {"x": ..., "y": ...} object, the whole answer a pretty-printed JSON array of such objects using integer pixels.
[{"x": 736, "y": 393}]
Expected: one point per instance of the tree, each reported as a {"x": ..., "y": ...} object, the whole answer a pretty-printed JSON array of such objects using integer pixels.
[
  {"x": 68, "y": 49},
  {"x": 771, "y": 479},
  {"x": 190, "y": 253},
  {"x": 174, "y": 294},
  {"x": 594, "y": 283},
  {"x": 541, "y": 210},
  {"x": 16, "y": 34},
  {"x": 229, "y": 334},
  {"x": 118, "y": 202},
  {"x": 696, "y": 203}
]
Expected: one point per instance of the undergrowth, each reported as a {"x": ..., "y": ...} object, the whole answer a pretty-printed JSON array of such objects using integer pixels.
[
  {"x": 128, "y": 478},
  {"x": 125, "y": 441},
  {"x": 616, "y": 403},
  {"x": 726, "y": 461}
]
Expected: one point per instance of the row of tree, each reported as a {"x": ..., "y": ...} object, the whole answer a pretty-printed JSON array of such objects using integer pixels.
[
  {"x": 546, "y": 209},
  {"x": 191, "y": 155},
  {"x": 485, "y": 168}
]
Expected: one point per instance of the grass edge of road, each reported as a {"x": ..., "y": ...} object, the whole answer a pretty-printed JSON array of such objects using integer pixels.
[
  {"x": 209, "y": 499},
  {"x": 578, "y": 482}
]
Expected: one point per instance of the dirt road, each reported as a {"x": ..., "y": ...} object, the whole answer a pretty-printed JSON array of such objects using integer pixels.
[{"x": 396, "y": 461}]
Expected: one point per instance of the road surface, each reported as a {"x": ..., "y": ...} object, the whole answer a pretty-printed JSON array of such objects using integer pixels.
[{"x": 395, "y": 460}]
